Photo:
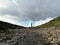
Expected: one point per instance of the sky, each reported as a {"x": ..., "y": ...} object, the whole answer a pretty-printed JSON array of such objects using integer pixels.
[{"x": 25, "y": 12}]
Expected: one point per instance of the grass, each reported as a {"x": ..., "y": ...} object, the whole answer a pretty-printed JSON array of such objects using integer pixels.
[{"x": 53, "y": 23}]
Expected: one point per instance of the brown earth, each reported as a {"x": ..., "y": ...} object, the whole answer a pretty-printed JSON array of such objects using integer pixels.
[{"x": 29, "y": 36}]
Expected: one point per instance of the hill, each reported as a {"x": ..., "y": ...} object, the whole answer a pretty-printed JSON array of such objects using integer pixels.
[
  {"x": 53, "y": 23},
  {"x": 6, "y": 25}
]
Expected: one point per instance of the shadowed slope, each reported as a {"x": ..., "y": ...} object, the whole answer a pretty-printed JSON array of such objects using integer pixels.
[{"x": 5, "y": 26}]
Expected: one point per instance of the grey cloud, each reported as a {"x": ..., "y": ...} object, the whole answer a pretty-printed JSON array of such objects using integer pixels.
[{"x": 33, "y": 9}]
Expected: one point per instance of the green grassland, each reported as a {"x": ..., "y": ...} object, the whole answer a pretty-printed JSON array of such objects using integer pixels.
[{"x": 53, "y": 23}]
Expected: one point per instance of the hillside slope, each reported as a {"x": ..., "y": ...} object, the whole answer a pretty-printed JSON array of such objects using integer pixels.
[
  {"x": 5, "y": 26},
  {"x": 53, "y": 23}
]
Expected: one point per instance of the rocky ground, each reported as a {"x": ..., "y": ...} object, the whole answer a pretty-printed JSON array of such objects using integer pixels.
[{"x": 29, "y": 36}]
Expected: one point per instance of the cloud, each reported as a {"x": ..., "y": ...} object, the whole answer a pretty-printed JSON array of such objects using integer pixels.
[
  {"x": 32, "y": 9},
  {"x": 2, "y": 5},
  {"x": 43, "y": 21},
  {"x": 7, "y": 19},
  {"x": 35, "y": 10}
]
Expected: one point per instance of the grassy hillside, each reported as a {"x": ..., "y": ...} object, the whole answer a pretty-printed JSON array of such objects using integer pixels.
[{"x": 53, "y": 23}]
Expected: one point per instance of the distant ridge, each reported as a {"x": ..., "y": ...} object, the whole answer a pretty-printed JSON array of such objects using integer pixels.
[
  {"x": 6, "y": 25},
  {"x": 53, "y": 23}
]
